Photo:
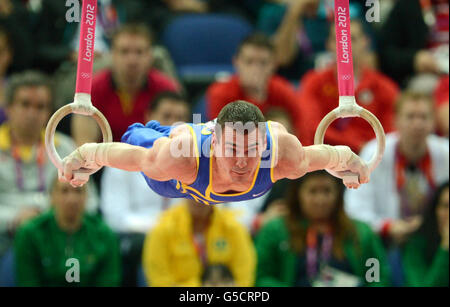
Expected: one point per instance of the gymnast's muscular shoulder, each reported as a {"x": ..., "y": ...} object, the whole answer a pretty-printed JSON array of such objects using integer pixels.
[
  {"x": 174, "y": 157},
  {"x": 290, "y": 160}
]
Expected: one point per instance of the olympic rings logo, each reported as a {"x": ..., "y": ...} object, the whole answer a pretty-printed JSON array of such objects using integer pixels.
[
  {"x": 85, "y": 75},
  {"x": 346, "y": 77}
]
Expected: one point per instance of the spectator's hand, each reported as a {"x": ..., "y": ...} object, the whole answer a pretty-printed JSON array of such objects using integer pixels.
[
  {"x": 425, "y": 62},
  {"x": 23, "y": 216},
  {"x": 81, "y": 158},
  {"x": 275, "y": 209},
  {"x": 303, "y": 7},
  {"x": 400, "y": 230}
]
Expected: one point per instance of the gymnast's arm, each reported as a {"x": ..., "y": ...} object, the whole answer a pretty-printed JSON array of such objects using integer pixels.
[
  {"x": 294, "y": 160},
  {"x": 159, "y": 162}
]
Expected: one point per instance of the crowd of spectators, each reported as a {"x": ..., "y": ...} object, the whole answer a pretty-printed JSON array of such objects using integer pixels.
[{"x": 306, "y": 232}]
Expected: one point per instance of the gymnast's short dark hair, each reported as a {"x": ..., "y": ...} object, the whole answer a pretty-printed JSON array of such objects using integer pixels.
[{"x": 243, "y": 112}]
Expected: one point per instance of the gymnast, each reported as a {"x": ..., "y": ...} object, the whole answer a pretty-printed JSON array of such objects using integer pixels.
[{"x": 236, "y": 157}]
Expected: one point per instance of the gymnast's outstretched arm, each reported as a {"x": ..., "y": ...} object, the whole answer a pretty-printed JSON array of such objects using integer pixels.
[
  {"x": 295, "y": 160},
  {"x": 157, "y": 162}
]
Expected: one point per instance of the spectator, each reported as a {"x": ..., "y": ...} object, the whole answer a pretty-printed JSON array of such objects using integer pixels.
[
  {"x": 319, "y": 95},
  {"x": 414, "y": 163},
  {"x": 441, "y": 100},
  {"x": 414, "y": 39},
  {"x": 46, "y": 245},
  {"x": 299, "y": 32},
  {"x": 129, "y": 207},
  {"x": 58, "y": 39},
  {"x": 123, "y": 92},
  {"x": 287, "y": 247},
  {"x": 217, "y": 276},
  {"x": 254, "y": 81},
  {"x": 6, "y": 55},
  {"x": 25, "y": 170},
  {"x": 425, "y": 254},
  {"x": 192, "y": 236}
]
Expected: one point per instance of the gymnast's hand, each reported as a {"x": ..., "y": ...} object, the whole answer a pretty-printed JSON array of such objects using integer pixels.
[
  {"x": 293, "y": 160},
  {"x": 83, "y": 158},
  {"x": 349, "y": 161}
]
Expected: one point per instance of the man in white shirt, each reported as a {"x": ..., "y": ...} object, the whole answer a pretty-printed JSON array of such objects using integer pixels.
[{"x": 414, "y": 163}]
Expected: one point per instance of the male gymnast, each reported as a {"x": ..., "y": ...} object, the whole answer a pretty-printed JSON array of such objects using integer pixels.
[{"x": 236, "y": 157}]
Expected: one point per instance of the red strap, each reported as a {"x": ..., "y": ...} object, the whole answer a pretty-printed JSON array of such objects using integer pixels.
[
  {"x": 344, "y": 48},
  {"x": 86, "y": 51}
]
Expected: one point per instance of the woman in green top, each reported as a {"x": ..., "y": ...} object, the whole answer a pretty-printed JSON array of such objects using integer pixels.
[
  {"x": 425, "y": 254},
  {"x": 66, "y": 247},
  {"x": 316, "y": 244}
]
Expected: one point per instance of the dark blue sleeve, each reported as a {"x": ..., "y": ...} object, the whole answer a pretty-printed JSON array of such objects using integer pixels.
[{"x": 140, "y": 135}]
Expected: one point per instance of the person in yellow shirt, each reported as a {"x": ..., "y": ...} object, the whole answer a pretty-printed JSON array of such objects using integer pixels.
[{"x": 189, "y": 237}]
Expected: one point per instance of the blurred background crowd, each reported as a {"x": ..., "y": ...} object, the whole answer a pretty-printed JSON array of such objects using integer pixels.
[{"x": 165, "y": 60}]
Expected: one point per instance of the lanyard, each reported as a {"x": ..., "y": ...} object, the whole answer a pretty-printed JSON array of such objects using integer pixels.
[
  {"x": 425, "y": 165},
  {"x": 311, "y": 251},
  {"x": 40, "y": 159},
  {"x": 200, "y": 247},
  {"x": 344, "y": 48}
]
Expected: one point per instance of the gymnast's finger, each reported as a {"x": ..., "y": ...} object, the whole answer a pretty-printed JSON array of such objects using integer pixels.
[
  {"x": 363, "y": 171},
  {"x": 70, "y": 165},
  {"x": 61, "y": 176}
]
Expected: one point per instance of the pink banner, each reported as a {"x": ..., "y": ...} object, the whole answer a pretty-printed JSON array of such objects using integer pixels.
[
  {"x": 86, "y": 51},
  {"x": 344, "y": 48}
]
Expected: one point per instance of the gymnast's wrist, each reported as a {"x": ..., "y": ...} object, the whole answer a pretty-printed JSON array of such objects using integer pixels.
[
  {"x": 94, "y": 154},
  {"x": 339, "y": 157},
  {"x": 102, "y": 154}
]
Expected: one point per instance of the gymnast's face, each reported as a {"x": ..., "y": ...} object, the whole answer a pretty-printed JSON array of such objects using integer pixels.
[
  {"x": 318, "y": 197},
  {"x": 237, "y": 153}
]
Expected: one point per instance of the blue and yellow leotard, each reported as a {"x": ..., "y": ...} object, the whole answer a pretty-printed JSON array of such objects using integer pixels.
[{"x": 201, "y": 190}]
